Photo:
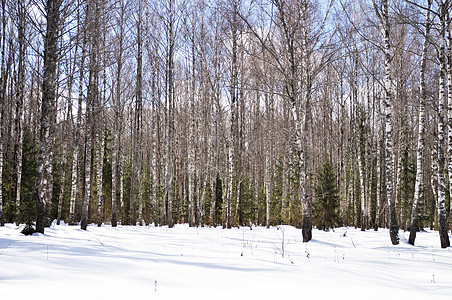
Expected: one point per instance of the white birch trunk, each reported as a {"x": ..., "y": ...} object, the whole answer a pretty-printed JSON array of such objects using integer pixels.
[
  {"x": 285, "y": 192},
  {"x": 154, "y": 167},
  {"x": 74, "y": 179},
  {"x": 449, "y": 103},
  {"x": 116, "y": 124},
  {"x": 385, "y": 27},
  {"x": 63, "y": 181},
  {"x": 268, "y": 187},
  {"x": 2, "y": 216},
  {"x": 377, "y": 206},
  {"x": 444, "y": 238},
  {"x": 227, "y": 211},
  {"x": 76, "y": 146},
  {"x": 421, "y": 132},
  {"x": 140, "y": 197},
  {"x": 191, "y": 149},
  {"x": 20, "y": 102},
  {"x": 19, "y": 165},
  {"x": 114, "y": 175},
  {"x": 2, "y": 101},
  {"x": 87, "y": 195},
  {"x": 100, "y": 165},
  {"x": 121, "y": 181},
  {"x": 303, "y": 150},
  {"x": 362, "y": 186}
]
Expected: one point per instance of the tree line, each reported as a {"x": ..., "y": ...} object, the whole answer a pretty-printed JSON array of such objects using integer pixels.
[{"x": 228, "y": 112}]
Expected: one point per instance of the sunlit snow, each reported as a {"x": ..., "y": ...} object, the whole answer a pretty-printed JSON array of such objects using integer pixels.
[{"x": 213, "y": 263}]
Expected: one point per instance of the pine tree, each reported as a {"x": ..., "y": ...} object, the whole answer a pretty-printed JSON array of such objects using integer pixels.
[{"x": 326, "y": 201}]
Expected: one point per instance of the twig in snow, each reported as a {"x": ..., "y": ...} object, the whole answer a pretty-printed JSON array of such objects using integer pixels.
[{"x": 4, "y": 249}]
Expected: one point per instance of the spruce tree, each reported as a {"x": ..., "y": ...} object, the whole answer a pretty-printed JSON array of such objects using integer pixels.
[{"x": 326, "y": 200}]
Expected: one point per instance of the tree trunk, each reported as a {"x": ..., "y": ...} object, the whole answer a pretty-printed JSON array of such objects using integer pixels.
[
  {"x": 170, "y": 118},
  {"x": 191, "y": 139},
  {"x": 304, "y": 153},
  {"x": 116, "y": 122},
  {"x": 20, "y": 102},
  {"x": 285, "y": 205},
  {"x": 268, "y": 187},
  {"x": 378, "y": 175},
  {"x": 44, "y": 177},
  {"x": 361, "y": 169},
  {"x": 100, "y": 165},
  {"x": 154, "y": 149},
  {"x": 421, "y": 132},
  {"x": 63, "y": 179},
  {"x": 76, "y": 146},
  {"x": 385, "y": 26},
  {"x": 136, "y": 145},
  {"x": 91, "y": 99},
  {"x": 444, "y": 238},
  {"x": 121, "y": 179},
  {"x": 3, "y": 81},
  {"x": 67, "y": 128}
]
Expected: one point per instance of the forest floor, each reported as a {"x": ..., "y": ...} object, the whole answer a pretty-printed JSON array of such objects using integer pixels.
[{"x": 213, "y": 263}]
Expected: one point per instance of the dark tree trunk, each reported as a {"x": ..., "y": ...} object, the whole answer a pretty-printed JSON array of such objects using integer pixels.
[{"x": 44, "y": 178}]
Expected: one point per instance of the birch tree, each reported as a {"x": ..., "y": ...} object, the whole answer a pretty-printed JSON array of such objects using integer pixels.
[
  {"x": 382, "y": 13},
  {"x": 444, "y": 238},
  {"x": 76, "y": 157},
  {"x": 170, "y": 22},
  {"x": 117, "y": 112},
  {"x": 137, "y": 123},
  {"x": 2, "y": 100},
  {"x": 21, "y": 11},
  {"x": 421, "y": 130}
]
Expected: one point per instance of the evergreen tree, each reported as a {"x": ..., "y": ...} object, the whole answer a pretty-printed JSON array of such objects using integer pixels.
[
  {"x": 27, "y": 210},
  {"x": 326, "y": 200}
]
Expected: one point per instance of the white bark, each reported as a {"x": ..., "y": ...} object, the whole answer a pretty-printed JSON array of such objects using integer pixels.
[
  {"x": 140, "y": 196},
  {"x": 362, "y": 186},
  {"x": 2, "y": 217},
  {"x": 444, "y": 238},
  {"x": 385, "y": 27},
  {"x": 268, "y": 187},
  {"x": 20, "y": 101},
  {"x": 377, "y": 206},
  {"x": 449, "y": 103},
  {"x": 285, "y": 206},
  {"x": 421, "y": 132},
  {"x": 114, "y": 174},
  {"x": 191, "y": 144},
  {"x": 228, "y": 200},
  {"x": 100, "y": 165},
  {"x": 154, "y": 165},
  {"x": 63, "y": 181},
  {"x": 2, "y": 100},
  {"x": 19, "y": 164},
  {"x": 76, "y": 146},
  {"x": 121, "y": 180}
]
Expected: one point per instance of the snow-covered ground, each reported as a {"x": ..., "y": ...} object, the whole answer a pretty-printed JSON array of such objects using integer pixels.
[{"x": 212, "y": 263}]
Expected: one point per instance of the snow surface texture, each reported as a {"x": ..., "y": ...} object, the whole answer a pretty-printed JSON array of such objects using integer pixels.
[{"x": 213, "y": 263}]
